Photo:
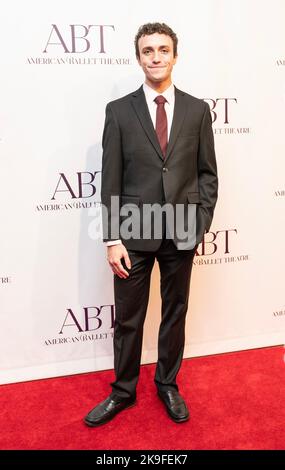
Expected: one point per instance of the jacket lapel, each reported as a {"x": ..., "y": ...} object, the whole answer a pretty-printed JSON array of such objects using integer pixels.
[
  {"x": 177, "y": 121},
  {"x": 141, "y": 109}
]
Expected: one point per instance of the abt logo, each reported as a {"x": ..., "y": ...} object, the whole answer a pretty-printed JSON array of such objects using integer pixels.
[
  {"x": 220, "y": 107},
  {"x": 214, "y": 241},
  {"x": 78, "y": 38},
  {"x": 84, "y": 179},
  {"x": 90, "y": 319}
]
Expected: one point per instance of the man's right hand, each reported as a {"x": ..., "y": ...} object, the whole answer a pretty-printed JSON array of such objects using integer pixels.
[{"x": 115, "y": 253}]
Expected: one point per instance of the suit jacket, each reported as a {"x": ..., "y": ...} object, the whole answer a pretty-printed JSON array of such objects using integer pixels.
[{"x": 134, "y": 169}]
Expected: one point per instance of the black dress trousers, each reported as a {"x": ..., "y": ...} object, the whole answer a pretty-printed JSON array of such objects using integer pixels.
[{"x": 131, "y": 301}]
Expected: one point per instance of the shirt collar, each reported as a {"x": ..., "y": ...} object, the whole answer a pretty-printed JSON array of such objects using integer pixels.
[{"x": 151, "y": 94}]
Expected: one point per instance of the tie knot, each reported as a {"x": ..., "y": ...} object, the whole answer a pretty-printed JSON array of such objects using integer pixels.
[{"x": 160, "y": 99}]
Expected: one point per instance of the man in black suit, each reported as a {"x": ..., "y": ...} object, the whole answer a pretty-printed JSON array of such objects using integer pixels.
[{"x": 158, "y": 152}]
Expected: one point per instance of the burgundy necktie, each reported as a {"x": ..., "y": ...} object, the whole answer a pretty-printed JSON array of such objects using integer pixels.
[{"x": 161, "y": 123}]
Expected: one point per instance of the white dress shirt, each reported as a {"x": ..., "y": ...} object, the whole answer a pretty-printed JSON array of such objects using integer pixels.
[{"x": 150, "y": 95}]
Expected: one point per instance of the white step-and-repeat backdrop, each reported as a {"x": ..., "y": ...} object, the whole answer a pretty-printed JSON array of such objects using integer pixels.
[{"x": 61, "y": 62}]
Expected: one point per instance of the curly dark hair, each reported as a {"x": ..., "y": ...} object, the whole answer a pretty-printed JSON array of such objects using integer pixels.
[{"x": 151, "y": 28}]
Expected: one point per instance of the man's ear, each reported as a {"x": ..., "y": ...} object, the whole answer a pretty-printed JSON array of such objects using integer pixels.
[
  {"x": 139, "y": 60},
  {"x": 175, "y": 59}
]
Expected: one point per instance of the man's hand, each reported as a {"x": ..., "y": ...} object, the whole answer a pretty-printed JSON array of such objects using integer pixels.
[{"x": 114, "y": 255}]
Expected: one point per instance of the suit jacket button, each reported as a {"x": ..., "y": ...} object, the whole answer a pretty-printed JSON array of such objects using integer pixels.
[{"x": 164, "y": 169}]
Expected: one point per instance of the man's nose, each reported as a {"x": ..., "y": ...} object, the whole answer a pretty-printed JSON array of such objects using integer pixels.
[{"x": 156, "y": 56}]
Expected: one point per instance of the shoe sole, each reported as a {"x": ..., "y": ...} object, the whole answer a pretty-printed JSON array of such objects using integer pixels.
[
  {"x": 176, "y": 420},
  {"x": 95, "y": 425}
]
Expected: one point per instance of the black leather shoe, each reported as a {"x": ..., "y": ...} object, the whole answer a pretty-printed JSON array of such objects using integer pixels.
[
  {"x": 107, "y": 409},
  {"x": 175, "y": 405}
]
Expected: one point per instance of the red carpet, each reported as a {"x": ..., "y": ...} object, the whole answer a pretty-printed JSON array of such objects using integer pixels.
[{"x": 236, "y": 401}]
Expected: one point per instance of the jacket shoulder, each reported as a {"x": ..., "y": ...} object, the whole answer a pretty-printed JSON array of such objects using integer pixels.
[
  {"x": 123, "y": 100},
  {"x": 193, "y": 100}
]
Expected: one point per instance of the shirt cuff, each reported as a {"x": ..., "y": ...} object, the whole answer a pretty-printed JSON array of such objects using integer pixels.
[{"x": 113, "y": 242}]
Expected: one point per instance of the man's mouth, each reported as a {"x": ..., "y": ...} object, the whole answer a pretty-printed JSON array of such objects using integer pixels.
[{"x": 158, "y": 67}]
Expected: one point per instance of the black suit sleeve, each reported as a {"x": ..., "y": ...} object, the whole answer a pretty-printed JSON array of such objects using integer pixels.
[
  {"x": 207, "y": 170},
  {"x": 112, "y": 167}
]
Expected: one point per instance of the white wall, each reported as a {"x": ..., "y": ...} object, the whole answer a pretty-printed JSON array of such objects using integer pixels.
[{"x": 52, "y": 262}]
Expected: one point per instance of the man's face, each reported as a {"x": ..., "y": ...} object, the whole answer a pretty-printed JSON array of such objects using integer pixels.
[{"x": 156, "y": 57}]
